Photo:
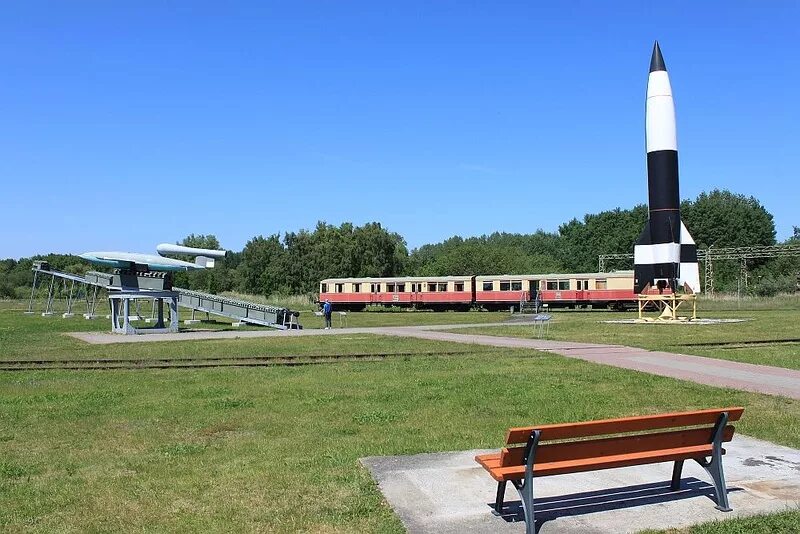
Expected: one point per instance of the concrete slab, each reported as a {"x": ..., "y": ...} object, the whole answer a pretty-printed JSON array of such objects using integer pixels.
[{"x": 451, "y": 493}]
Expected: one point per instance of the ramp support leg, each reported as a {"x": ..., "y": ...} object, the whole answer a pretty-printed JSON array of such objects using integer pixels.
[{"x": 160, "y": 321}]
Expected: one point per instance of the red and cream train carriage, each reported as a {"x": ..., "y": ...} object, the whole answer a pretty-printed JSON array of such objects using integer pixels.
[
  {"x": 439, "y": 292},
  {"x": 597, "y": 289},
  {"x": 492, "y": 291}
]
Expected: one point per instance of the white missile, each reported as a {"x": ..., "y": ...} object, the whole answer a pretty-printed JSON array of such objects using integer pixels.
[{"x": 665, "y": 253}]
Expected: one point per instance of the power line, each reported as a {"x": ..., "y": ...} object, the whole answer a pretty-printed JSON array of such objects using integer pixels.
[{"x": 712, "y": 254}]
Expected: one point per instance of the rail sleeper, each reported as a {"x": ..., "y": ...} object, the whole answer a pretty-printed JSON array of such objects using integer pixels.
[{"x": 545, "y": 450}]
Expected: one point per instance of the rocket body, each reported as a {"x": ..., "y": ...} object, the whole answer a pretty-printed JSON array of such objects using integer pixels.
[{"x": 665, "y": 244}]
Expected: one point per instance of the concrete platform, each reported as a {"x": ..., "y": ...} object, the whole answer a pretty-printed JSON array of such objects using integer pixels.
[{"x": 451, "y": 493}]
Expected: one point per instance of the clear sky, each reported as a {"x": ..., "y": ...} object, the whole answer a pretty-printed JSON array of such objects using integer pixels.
[{"x": 126, "y": 124}]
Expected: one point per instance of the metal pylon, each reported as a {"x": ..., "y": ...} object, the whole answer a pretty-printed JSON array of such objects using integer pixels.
[
  {"x": 709, "y": 276},
  {"x": 743, "y": 272}
]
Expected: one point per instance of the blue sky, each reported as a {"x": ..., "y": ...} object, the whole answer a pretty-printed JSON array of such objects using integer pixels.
[{"x": 129, "y": 124}]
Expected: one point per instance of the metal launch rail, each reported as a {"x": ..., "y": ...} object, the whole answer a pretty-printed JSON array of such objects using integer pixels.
[
  {"x": 239, "y": 310},
  {"x": 74, "y": 288}
]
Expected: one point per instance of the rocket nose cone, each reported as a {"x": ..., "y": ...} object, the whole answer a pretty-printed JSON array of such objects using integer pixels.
[{"x": 657, "y": 60}]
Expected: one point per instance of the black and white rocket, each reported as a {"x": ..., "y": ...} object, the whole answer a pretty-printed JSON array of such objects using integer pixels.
[{"x": 665, "y": 255}]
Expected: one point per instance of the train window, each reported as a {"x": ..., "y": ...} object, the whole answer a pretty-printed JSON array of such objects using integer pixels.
[
  {"x": 459, "y": 286},
  {"x": 586, "y": 284},
  {"x": 375, "y": 288},
  {"x": 356, "y": 288},
  {"x": 401, "y": 288},
  {"x": 442, "y": 286},
  {"x": 431, "y": 287},
  {"x": 563, "y": 285},
  {"x": 339, "y": 288},
  {"x": 324, "y": 288},
  {"x": 516, "y": 285},
  {"x": 505, "y": 286},
  {"x": 600, "y": 284},
  {"x": 390, "y": 288},
  {"x": 552, "y": 284},
  {"x": 488, "y": 286}
]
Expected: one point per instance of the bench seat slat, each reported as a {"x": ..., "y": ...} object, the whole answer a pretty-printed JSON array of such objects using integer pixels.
[
  {"x": 519, "y": 435},
  {"x": 491, "y": 462}
]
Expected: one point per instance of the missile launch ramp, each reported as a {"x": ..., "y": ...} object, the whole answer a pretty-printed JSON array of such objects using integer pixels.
[
  {"x": 88, "y": 286},
  {"x": 238, "y": 310}
]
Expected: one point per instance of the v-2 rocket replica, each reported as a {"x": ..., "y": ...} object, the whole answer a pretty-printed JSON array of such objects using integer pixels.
[{"x": 665, "y": 255}]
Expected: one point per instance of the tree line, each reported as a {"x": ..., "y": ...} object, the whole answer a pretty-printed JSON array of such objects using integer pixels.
[{"x": 297, "y": 261}]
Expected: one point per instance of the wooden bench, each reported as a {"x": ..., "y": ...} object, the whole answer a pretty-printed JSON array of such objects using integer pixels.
[{"x": 544, "y": 450}]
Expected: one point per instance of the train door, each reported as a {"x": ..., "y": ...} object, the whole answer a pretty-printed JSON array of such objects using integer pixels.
[
  {"x": 533, "y": 289},
  {"x": 580, "y": 291},
  {"x": 374, "y": 297},
  {"x": 416, "y": 293}
]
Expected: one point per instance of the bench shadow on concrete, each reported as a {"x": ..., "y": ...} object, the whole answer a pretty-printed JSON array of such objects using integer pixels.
[{"x": 550, "y": 508}]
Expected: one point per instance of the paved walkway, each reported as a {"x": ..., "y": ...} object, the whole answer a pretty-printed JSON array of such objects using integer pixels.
[
  {"x": 723, "y": 373},
  {"x": 451, "y": 493}
]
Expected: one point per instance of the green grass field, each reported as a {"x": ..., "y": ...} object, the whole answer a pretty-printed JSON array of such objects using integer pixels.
[
  {"x": 767, "y": 337},
  {"x": 276, "y": 449}
]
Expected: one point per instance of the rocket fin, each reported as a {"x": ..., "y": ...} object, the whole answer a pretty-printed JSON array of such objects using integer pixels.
[{"x": 689, "y": 274}]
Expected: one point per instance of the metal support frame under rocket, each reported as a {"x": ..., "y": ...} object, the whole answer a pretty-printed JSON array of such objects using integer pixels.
[{"x": 665, "y": 255}]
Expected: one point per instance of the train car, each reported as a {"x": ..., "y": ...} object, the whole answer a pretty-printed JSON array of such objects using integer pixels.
[
  {"x": 598, "y": 290},
  {"x": 494, "y": 292},
  {"x": 434, "y": 292},
  {"x": 503, "y": 291},
  {"x": 613, "y": 290}
]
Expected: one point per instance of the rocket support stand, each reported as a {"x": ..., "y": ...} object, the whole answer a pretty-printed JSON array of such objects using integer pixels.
[
  {"x": 672, "y": 300},
  {"x": 121, "y": 311}
]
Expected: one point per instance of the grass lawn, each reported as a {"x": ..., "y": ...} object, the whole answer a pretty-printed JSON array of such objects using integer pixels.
[
  {"x": 276, "y": 449},
  {"x": 767, "y": 337}
]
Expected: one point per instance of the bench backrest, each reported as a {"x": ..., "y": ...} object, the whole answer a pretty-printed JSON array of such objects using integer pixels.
[{"x": 567, "y": 441}]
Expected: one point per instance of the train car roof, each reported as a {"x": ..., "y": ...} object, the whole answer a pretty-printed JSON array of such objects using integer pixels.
[
  {"x": 612, "y": 274},
  {"x": 395, "y": 279},
  {"x": 398, "y": 279}
]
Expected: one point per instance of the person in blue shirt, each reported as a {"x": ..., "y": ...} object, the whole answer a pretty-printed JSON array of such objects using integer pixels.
[{"x": 327, "y": 309}]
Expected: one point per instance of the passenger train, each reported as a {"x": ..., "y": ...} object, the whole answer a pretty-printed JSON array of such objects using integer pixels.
[{"x": 491, "y": 292}]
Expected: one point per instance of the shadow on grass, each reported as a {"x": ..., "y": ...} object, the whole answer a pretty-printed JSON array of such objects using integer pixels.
[{"x": 550, "y": 508}]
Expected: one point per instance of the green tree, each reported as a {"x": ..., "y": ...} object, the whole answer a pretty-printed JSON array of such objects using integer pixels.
[
  {"x": 260, "y": 269},
  {"x": 607, "y": 232},
  {"x": 725, "y": 219},
  {"x": 208, "y": 280}
]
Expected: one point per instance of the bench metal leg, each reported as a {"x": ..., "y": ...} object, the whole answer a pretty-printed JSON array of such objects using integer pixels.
[
  {"x": 714, "y": 467},
  {"x": 525, "y": 487},
  {"x": 498, "y": 501},
  {"x": 527, "y": 504},
  {"x": 676, "y": 475}
]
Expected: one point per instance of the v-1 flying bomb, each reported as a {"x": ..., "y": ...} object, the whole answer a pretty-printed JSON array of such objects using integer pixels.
[{"x": 204, "y": 259}]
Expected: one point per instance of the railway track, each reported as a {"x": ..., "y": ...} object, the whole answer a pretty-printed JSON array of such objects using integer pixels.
[{"x": 200, "y": 362}]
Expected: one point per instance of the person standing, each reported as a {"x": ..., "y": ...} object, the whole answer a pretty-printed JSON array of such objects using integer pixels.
[{"x": 327, "y": 309}]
